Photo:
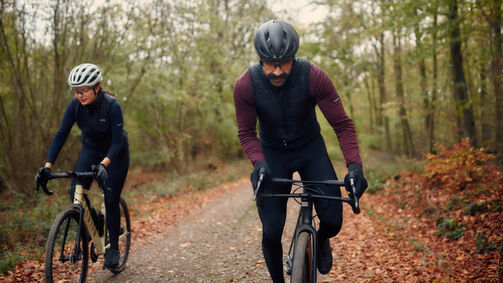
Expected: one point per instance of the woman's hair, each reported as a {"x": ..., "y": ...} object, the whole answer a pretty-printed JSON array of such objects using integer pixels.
[
  {"x": 107, "y": 92},
  {"x": 104, "y": 90}
]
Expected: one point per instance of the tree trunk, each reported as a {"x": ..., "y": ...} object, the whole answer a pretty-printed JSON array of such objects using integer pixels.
[
  {"x": 423, "y": 83},
  {"x": 496, "y": 71},
  {"x": 484, "y": 105},
  {"x": 382, "y": 118},
  {"x": 370, "y": 94},
  {"x": 463, "y": 106},
  {"x": 431, "y": 110},
  {"x": 347, "y": 94},
  {"x": 408, "y": 145}
]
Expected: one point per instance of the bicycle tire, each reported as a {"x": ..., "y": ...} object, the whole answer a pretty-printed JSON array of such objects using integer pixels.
[
  {"x": 60, "y": 255},
  {"x": 302, "y": 259},
  {"x": 124, "y": 237}
]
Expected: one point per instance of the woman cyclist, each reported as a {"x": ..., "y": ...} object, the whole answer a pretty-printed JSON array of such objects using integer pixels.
[{"x": 104, "y": 149}]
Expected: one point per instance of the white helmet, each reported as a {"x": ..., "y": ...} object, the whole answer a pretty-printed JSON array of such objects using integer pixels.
[{"x": 84, "y": 75}]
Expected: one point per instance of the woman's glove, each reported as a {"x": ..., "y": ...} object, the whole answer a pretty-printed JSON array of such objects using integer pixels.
[
  {"x": 43, "y": 175},
  {"x": 100, "y": 173}
]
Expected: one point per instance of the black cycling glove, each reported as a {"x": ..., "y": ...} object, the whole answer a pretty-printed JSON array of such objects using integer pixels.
[
  {"x": 100, "y": 173},
  {"x": 260, "y": 166},
  {"x": 356, "y": 172},
  {"x": 43, "y": 175}
]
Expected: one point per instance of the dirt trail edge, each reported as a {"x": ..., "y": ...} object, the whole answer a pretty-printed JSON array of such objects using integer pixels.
[{"x": 218, "y": 240}]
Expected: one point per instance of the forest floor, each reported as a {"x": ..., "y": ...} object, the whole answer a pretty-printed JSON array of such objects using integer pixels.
[{"x": 406, "y": 232}]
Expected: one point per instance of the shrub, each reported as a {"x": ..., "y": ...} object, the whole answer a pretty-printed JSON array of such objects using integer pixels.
[
  {"x": 483, "y": 245},
  {"x": 449, "y": 228},
  {"x": 474, "y": 208},
  {"x": 457, "y": 167}
]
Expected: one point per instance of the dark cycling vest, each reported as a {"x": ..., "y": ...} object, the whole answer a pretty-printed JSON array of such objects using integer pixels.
[
  {"x": 286, "y": 114},
  {"x": 94, "y": 122}
]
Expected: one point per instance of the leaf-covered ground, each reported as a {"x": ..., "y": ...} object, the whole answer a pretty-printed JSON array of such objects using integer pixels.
[{"x": 441, "y": 225}]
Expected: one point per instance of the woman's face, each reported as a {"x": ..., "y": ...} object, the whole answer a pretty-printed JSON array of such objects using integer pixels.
[{"x": 85, "y": 95}]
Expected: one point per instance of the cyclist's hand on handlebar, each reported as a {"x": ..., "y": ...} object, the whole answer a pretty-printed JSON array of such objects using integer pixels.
[
  {"x": 43, "y": 175},
  {"x": 100, "y": 173},
  {"x": 356, "y": 172},
  {"x": 259, "y": 168}
]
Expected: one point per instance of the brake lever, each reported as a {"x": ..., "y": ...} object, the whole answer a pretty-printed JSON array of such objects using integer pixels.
[
  {"x": 103, "y": 186},
  {"x": 46, "y": 191},
  {"x": 355, "y": 205},
  {"x": 259, "y": 182},
  {"x": 44, "y": 188},
  {"x": 43, "y": 185}
]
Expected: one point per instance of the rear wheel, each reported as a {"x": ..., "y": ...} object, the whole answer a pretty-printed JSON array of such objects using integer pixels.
[
  {"x": 124, "y": 237},
  {"x": 66, "y": 257},
  {"x": 302, "y": 259}
]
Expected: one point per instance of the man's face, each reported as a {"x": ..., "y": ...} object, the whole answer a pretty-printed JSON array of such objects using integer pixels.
[{"x": 277, "y": 72}]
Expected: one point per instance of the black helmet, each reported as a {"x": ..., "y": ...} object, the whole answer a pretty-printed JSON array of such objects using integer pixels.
[{"x": 276, "y": 40}]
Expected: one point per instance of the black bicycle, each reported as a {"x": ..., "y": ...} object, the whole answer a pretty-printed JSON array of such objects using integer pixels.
[
  {"x": 67, "y": 248},
  {"x": 302, "y": 254}
]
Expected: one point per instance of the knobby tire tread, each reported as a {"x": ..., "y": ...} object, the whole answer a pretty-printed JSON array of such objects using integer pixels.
[
  {"x": 300, "y": 273},
  {"x": 58, "y": 227}
]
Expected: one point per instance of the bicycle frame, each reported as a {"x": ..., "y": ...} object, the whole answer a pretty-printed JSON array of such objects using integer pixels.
[
  {"x": 80, "y": 203},
  {"x": 85, "y": 214},
  {"x": 84, "y": 220}
]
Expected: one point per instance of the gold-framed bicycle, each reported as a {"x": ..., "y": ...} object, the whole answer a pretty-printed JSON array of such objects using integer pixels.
[{"x": 67, "y": 250}]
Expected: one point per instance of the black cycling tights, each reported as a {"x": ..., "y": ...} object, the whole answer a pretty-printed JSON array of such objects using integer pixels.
[
  {"x": 117, "y": 172},
  {"x": 312, "y": 163}
]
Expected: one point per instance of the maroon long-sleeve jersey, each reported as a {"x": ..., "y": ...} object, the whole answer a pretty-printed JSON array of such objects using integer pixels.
[{"x": 321, "y": 89}]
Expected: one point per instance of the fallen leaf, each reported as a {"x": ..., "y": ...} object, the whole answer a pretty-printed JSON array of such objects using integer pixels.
[{"x": 184, "y": 245}]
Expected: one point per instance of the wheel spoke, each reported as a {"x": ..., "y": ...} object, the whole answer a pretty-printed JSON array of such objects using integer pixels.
[{"x": 66, "y": 255}]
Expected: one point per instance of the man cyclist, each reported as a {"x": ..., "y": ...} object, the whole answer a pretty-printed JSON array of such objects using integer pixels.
[{"x": 282, "y": 92}]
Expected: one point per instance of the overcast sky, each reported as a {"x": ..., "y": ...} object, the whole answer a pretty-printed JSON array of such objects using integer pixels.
[
  {"x": 294, "y": 11},
  {"x": 300, "y": 11}
]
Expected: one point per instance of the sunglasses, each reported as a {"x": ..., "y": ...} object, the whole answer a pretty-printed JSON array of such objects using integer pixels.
[
  {"x": 284, "y": 65},
  {"x": 81, "y": 90}
]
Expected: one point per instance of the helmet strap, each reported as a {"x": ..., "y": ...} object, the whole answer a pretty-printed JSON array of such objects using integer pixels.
[{"x": 94, "y": 89}]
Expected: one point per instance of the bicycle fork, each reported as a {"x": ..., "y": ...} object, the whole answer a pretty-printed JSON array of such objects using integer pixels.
[
  {"x": 305, "y": 224},
  {"x": 80, "y": 204}
]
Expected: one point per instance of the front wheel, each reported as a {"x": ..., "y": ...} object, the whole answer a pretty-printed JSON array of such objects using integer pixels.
[
  {"x": 66, "y": 256},
  {"x": 124, "y": 237},
  {"x": 302, "y": 259}
]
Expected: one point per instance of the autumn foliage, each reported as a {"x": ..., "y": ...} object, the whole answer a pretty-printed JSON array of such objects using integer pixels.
[
  {"x": 450, "y": 214},
  {"x": 459, "y": 167},
  {"x": 443, "y": 224}
]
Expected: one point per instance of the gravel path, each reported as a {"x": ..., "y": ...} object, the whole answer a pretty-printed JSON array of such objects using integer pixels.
[
  {"x": 218, "y": 241},
  {"x": 214, "y": 236}
]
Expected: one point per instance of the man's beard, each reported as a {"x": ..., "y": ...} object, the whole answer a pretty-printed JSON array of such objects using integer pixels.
[{"x": 273, "y": 76}]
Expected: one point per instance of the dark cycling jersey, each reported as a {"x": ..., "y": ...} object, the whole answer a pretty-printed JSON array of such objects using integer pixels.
[
  {"x": 103, "y": 135},
  {"x": 101, "y": 124},
  {"x": 321, "y": 91}
]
